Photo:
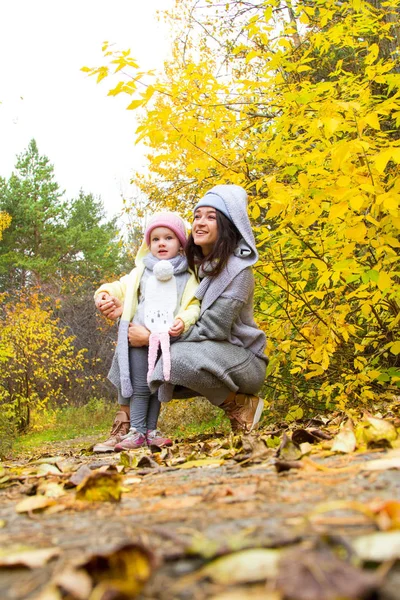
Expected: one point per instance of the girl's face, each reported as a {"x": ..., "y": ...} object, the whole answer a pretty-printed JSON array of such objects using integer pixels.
[
  {"x": 205, "y": 228},
  {"x": 164, "y": 244}
]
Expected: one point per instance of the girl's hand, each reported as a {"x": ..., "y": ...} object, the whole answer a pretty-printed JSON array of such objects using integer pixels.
[
  {"x": 109, "y": 306},
  {"x": 138, "y": 335},
  {"x": 177, "y": 328}
]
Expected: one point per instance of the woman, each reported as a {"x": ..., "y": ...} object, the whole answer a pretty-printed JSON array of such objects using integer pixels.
[{"x": 222, "y": 356}]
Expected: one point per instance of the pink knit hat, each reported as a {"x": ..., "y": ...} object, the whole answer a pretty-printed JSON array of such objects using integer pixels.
[{"x": 166, "y": 219}]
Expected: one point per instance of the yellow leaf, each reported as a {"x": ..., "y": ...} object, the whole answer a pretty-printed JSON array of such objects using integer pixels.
[
  {"x": 381, "y": 160},
  {"x": 357, "y": 233},
  {"x": 303, "y": 180},
  {"x": 338, "y": 210},
  {"x": 384, "y": 281},
  {"x": 372, "y": 120},
  {"x": 395, "y": 348},
  {"x": 255, "y": 213},
  {"x": 204, "y": 462},
  {"x": 100, "y": 487},
  {"x": 356, "y": 202},
  {"x": 372, "y": 54},
  {"x": 391, "y": 202},
  {"x": 135, "y": 104},
  {"x": 275, "y": 210}
]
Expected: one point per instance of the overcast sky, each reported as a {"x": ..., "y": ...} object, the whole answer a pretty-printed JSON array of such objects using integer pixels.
[{"x": 88, "y": 137}]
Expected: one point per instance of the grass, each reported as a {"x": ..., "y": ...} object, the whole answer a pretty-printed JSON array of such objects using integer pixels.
[
  {"x": 178, "y": 419},
  {"x": 65, "y": 424}
]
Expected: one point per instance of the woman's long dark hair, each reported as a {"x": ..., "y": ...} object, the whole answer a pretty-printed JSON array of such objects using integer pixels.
[{"x": 227, "y": 240}]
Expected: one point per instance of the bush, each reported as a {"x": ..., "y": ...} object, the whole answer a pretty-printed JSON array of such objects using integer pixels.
[
  {"x": 7, "y": 434},
  {"x": 191, "y": 416}
]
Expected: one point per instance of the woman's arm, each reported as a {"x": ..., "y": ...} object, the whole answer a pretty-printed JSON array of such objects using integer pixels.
[
  {"x": 138, "y": 335},
  {"x": 216, "y": 322}
]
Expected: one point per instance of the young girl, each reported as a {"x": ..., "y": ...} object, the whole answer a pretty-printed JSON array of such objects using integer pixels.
[
  {"x": 164, "y": 239},
  {"x": 222, "y": 356}
]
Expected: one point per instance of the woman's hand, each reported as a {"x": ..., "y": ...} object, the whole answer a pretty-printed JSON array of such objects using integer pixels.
[
  {"x": 138, "y": 335},
  {"x": 177, "y": 328},
  {"x": 109, "y": 306}
]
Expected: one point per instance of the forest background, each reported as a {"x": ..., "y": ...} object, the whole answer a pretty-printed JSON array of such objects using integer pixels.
[{"x": 300, "y": 104}]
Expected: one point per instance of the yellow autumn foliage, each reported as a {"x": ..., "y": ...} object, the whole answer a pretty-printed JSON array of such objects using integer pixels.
[
  {"x": 300, "y": 104},
  {"x": 37, "y": 356}
]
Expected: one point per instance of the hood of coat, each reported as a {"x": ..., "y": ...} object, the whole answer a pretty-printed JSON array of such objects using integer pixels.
[{"x": 234, "y": 198}]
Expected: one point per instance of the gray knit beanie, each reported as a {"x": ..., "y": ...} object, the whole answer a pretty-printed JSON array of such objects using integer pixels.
[{"x": 215, "y": 201}]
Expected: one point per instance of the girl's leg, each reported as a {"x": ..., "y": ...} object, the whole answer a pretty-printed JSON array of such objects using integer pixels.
[
  {"x": 153, "y": 436},
  {"x": 153, "y": 412},
  {"x": 139, "y": 403}
]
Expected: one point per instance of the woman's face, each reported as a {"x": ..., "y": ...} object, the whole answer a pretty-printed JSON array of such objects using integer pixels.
[{"x": 205, "y": 228}]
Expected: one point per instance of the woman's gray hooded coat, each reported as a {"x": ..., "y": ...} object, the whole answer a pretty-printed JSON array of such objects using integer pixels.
[{"x": 224, "y": 350}]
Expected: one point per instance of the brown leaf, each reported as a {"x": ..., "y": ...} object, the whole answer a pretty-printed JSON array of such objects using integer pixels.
[
  {"x": 299, "y": 436},
  {"x": 286, "y": 465},
  {"x": 306, "y": 574},
  {"x": 80, "y": 475}
]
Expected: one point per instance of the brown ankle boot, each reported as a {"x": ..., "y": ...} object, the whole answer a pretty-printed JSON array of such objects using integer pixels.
[
  {"x": 119, "y": 428},
  {"x": 244, "y": 411}
]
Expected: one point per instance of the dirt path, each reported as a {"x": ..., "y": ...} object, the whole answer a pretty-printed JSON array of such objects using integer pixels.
[{"x": 187, "y": 513}]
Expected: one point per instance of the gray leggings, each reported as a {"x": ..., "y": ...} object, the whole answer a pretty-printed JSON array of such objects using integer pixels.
[{"x": 144, "y": 407}]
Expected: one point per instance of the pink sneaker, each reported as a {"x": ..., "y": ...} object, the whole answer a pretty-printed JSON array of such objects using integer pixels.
[
  {"x": 154, "y": 437},
  {"x": 133, "y": 439}
]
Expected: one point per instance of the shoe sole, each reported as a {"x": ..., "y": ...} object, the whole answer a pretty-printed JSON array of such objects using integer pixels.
[
  {"x": 102, "y": 450},
  {"x": 257, "y": 414}
]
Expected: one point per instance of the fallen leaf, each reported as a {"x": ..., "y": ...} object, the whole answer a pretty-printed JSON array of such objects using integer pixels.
[
  {"x": 286, "y": 465},
  {"x": 288, "y": 450},
  {"x": 345, "y": 441},
  {"x": 51, "y": 489},
  {"x": 204, "y": 462},
  {"x": 47, "y": 469},
  {"x": 372, "y": 429},
  {"x": 75, "y": 582},
  {"x": 318, "y": 574},
  {"x": 34, "y": 503},
  {"x": 100, "y": 487},
  {"x": 300, "y": 436},
  {"x": 27, "y": 556},
  {"x": 2, "y": 523},
  {"x": 378, "y": 547},
  {"x": 132, "y": 480},
  {"x": 248, "y": 593},
  {"x": 147, "y": 462},
  {"x": 50, "y": 460},
  {"x": 119, "y": 574},
  {"x": 391, "y": 461},
  {"x": 80, "y": 475},
  {"x": 244, "y": 567},
  {"x": 387, "y": 514}
]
